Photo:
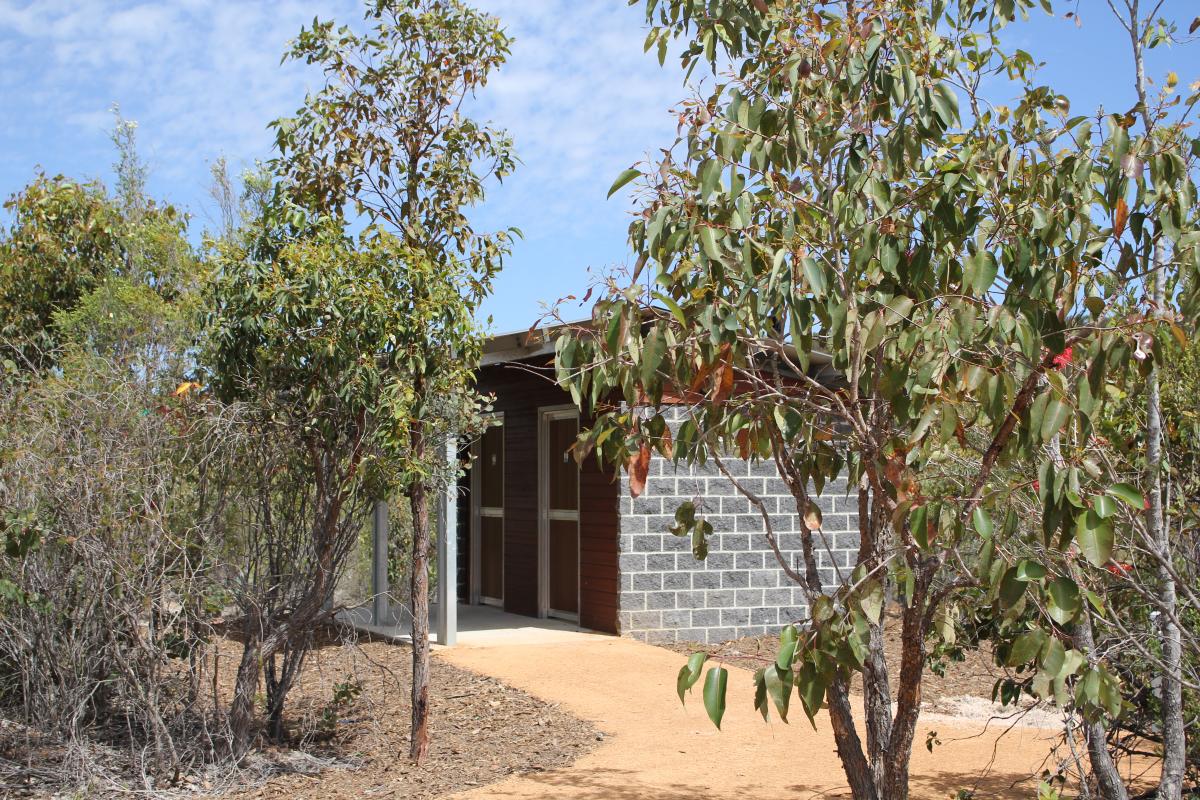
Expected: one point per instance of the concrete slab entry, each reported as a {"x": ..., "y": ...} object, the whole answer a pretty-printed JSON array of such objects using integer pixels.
[{"x": 478, "y": 626}]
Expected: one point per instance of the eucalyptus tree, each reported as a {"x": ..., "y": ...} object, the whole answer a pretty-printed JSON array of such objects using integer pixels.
[
  {"x": 1161, "y": 138},
  {"x": 848, "y": 188},
  {"x": 304, "y": 339},
  {"x": 386, "y": 139},
  {"x": 67, "y": 238}
]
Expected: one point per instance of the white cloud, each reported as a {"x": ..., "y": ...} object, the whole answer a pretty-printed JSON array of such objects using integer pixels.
[{"x": 203, "y": 79}]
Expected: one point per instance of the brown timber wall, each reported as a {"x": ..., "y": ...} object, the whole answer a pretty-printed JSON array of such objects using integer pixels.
[{"x": 519, "y": 393}]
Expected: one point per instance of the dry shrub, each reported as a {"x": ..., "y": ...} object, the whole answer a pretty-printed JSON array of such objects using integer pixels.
[{"x": 114, "y": 488}]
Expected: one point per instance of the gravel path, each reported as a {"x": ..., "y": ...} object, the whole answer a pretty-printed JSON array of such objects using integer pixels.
[{"x": 656, "y": 749}]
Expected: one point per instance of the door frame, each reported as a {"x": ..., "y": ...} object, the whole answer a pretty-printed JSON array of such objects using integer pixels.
[
  {"x": 475, "y": 591},
  {"x": 545, "y": 415}
]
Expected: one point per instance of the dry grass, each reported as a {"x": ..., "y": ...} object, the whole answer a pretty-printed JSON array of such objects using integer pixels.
[{"x": 347, "y": 723}]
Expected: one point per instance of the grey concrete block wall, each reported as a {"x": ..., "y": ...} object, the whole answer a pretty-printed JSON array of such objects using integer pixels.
[{"x": 739, "y": 590}]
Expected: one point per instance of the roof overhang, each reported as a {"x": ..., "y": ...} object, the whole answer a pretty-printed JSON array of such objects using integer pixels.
[{"x": 503, "y": 348}]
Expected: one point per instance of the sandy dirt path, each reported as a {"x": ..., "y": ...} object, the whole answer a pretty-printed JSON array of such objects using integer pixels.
[{"x": 657, "y": 750}]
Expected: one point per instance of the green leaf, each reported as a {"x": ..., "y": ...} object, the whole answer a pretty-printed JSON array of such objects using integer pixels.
[
  {"x": 760, "y": 694},
  {"x": 1095, "y": 537},
  {"x": 983, "y": 269},
  {"x": 1110, "y": 692},
  {"x": 709, "y": 242},
  {"x": 870, "y": 600},
  {"x": 714, "y": 694},
  {"x": 945, "y": 104},
  {"x": 787, "y": 647},
  {"x": 1026, "y": 647},
  {"x": 1057, "y": 414},
  {"x": 898, "y": 309},
  {"x": 815, "y": 276},
  {"x": 622, "y": 179},
  {"x": 689, "y": 673},
  {"x": 1012, "y": 588},
  {"x": 779, "y": 687},
  {"x": 918, "y": 523},
  {"x": 710, "y": 176},
  {"x": 1064, "y": 600},
  {"x": 653, "y": 350},
  {"x": 1127, "y": 494},
  {"x": 811, "y": 686},
  {"x": 1030, "y": 570},
  {"x": 1104, "y": 506},
  {"x": 1054, "y": 657},
  {"x": 982, "y": 522},
  {"x": 673, "y": 307}
]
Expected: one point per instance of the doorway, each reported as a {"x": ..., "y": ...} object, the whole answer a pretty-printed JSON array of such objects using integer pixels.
[
  {"x": 558, "y": 519},
  {"x": 487, "y": 518}
]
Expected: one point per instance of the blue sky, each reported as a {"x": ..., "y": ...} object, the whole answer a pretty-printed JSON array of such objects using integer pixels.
[{"x": 202, "y": 78}]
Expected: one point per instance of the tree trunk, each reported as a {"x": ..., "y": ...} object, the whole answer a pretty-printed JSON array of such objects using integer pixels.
[
  {"x": 241, "y": 711},
  {"x": 279, "y": 684},
  {"x": 908, "y": 692},
  {"x": 1170, "y": 785},
  {"x": 849, "y": 746},
  {"x": 877, "y": 691},
  {"x": 419, "y": 585},
  {"x": 1109, "y": 784}
]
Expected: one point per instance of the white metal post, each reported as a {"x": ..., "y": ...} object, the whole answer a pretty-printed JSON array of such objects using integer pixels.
[
  {"x": 447, "y": 548},
  {"x": 380, "y": 607}
]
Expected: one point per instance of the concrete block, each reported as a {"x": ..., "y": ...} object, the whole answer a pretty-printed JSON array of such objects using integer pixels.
[
  {"x": 719, "y": 561},
  {"x": 647, "y": 581},
  {"x": 660, "y": 562},
  {"x": 765, "y": 578},
  {"x": 764, "y": 616},
  {"x": 647, "y": 543},
  {"x": 721, "y": 598},
  {"x": 719, "y": 635},
  {"x": 632, "y": 562},
  {"x": 721, "y": 523},
  {"x": 647, "y": 505},
  {"x": 677, "y": 579},
  {"x": 660, "y": 600},
  {"x": 735, "y": 616},
  {"x": 752, "y": 560},
  {"x": 736, "y": 542},
  {"x": 719, "y": 487},
  {"x": 645, "y": 620},
  {"x": 777, "y": 598},
  {"x": 631, "y": 523},
  {"x": 660, "y": 487},
  {"x": 677, "y": 618},
  {"x": 633, "y": 601},
  {"x": 735, "y": 579}
]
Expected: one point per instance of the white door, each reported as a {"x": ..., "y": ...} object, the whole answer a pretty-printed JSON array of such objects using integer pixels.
[
  {"x": 487, "y": 521},
  {"x": 558, "y": 503}
]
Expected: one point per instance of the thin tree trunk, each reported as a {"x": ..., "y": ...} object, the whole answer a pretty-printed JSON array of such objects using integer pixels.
[
  {"x": 1170, "y": 785},
  {"x": 849, "y": 746},
  {"x": 877, "y": 693},
  {"x": 908, "y": 693},
  {"x": 1109, "y": 784},
  {"x": 419, "y": 585},
  {"x": 241, "y": 711}
]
